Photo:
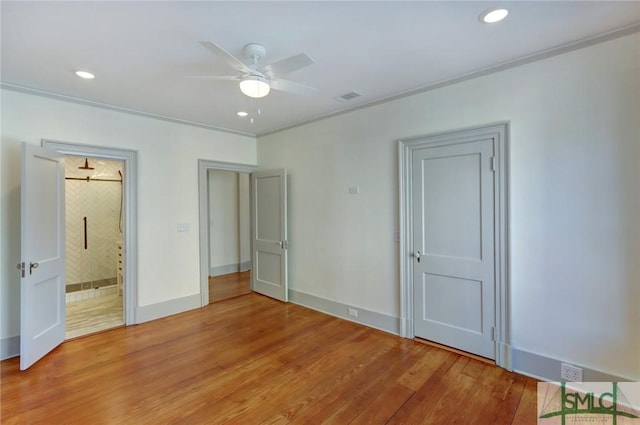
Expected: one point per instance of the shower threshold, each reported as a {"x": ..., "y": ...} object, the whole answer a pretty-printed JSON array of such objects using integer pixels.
[{"x": 88, "y": 294}]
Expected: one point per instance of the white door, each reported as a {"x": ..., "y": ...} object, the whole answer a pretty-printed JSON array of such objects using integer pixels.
[
  {"x": 269, "y": 233},
  {"x": 453, "y": 225},
  {"x": 42, "y": 295}
]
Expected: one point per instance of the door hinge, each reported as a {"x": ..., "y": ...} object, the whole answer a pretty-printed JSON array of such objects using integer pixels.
[
  {"x": 493, "y": 164},
  {"x": 21, "y": 268},
  {"x": 493, "y": 333}
]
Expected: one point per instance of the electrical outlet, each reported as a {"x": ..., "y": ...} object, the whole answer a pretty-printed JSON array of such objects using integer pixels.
[
  {"x": 352, "y": 312},
  {"x": 570, "y": 373}
]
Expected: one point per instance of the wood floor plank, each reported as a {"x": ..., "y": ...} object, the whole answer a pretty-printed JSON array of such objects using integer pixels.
[
  {"x": 509, "y": 405},
  {"x": 250, "y": 360},
  {"x": 187, "y": 384},
  {"x": 481, "y": 404},
  {"x": 384, "y": 406},
  {"x": 253, "y": 398},
  {"x": 423, "y": 369},
  {"x": 146, "y": 360},
  {"x": 447, "y": 398},
  {"x": 361, "y": 397},
  {"x": 229, "y": 286},
  {"x": 527, "y": 408},
  {"x": 425, "y": 398},
  {"x": 252, "y": 371}
]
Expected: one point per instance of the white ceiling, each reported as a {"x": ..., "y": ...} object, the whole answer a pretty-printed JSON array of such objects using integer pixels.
[{"x": 141, "y": 52}]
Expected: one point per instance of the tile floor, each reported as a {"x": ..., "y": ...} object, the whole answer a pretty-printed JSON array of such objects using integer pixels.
[{"x": 94, "y": 315}]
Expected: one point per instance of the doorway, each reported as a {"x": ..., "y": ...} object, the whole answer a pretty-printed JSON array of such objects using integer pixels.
[
  {"x": 126, "y": 281},
  {"x": 453, "y": 240},
  {"x": 229, "y": 236},
  {"x": 240, "y": 172},
  {"x": 94, "y": 235}
]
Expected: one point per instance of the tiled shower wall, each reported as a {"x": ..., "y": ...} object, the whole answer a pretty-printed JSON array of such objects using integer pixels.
[{"x": 100, "y": 202}]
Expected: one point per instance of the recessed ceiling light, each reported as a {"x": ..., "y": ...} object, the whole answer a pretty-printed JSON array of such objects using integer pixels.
[
  {"x": 242, "y": 114},
  {"x": 493, "y": 15},
  {"x": 86, "y": 75}
]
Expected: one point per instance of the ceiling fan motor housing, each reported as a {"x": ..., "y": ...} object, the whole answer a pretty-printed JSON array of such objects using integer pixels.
[{"x": 254, "y": 52}]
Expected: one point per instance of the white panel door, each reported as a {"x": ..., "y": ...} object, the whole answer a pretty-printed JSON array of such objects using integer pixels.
[
  {"x": 269, "y": 233},
  {"x": 42, "y": 294},
  {"x": 454, "y": 275}
]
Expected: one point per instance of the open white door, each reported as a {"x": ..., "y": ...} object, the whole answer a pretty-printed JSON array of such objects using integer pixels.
[
  {"x": 269, "y": 233},
  {"x": 42, "y": 295}
]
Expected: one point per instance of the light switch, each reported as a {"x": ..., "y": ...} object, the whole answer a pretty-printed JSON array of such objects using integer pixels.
[
  {"x": 183, "y": 227},
  {"x": 354, "y": 190}
]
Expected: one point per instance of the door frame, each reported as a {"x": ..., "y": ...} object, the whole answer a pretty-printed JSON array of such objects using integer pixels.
[
  {"x": 130, "y": 236},
  {"x": 500, "y": 133},
  {"x": 204, "y": 166}
]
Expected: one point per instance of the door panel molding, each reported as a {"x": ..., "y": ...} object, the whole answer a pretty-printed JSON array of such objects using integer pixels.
[{"x": 406, "y": 147}]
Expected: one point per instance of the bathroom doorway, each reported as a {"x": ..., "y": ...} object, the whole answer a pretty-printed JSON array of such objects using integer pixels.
[{"x": 94, "y": 233}]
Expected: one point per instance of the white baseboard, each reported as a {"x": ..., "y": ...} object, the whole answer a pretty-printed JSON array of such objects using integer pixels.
[
  {"x": 229, "y": 268},
  {"x": 548, "y": 369},
  {"x": 146, "y": 313},
  {"x": 366, "y": 317},
  {"x": 9, "y": 347}
]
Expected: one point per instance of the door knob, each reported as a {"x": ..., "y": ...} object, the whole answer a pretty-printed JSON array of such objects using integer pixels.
[{"x": 32, "y": 266}]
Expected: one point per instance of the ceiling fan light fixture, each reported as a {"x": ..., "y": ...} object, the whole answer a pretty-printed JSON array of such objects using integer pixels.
[{"x": 255, "y": 86}]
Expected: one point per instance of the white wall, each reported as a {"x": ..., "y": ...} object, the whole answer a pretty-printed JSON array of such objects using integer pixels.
[
  {"x": 574, "y": 199},
  {"x": 168, "y": 156},
  {"x": 228, "y": 220}
]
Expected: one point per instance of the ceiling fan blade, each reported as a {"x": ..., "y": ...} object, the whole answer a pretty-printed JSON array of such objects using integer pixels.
[
  {"x": 234, "y": 62},
  {"x": 287, "y": 65},
  {"x": 292, "y": 87}
]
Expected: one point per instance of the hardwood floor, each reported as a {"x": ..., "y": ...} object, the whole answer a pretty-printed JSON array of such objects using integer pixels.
[
  {"x": 229, "y": 286},
  {"x": 254, "y": 360}
]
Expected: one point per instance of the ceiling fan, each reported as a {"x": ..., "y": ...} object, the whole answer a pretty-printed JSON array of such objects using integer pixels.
[{"x": 255, "y": 80}]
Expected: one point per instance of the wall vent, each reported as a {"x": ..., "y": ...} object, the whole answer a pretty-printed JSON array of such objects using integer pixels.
[{"x": 349, "y": 96}]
